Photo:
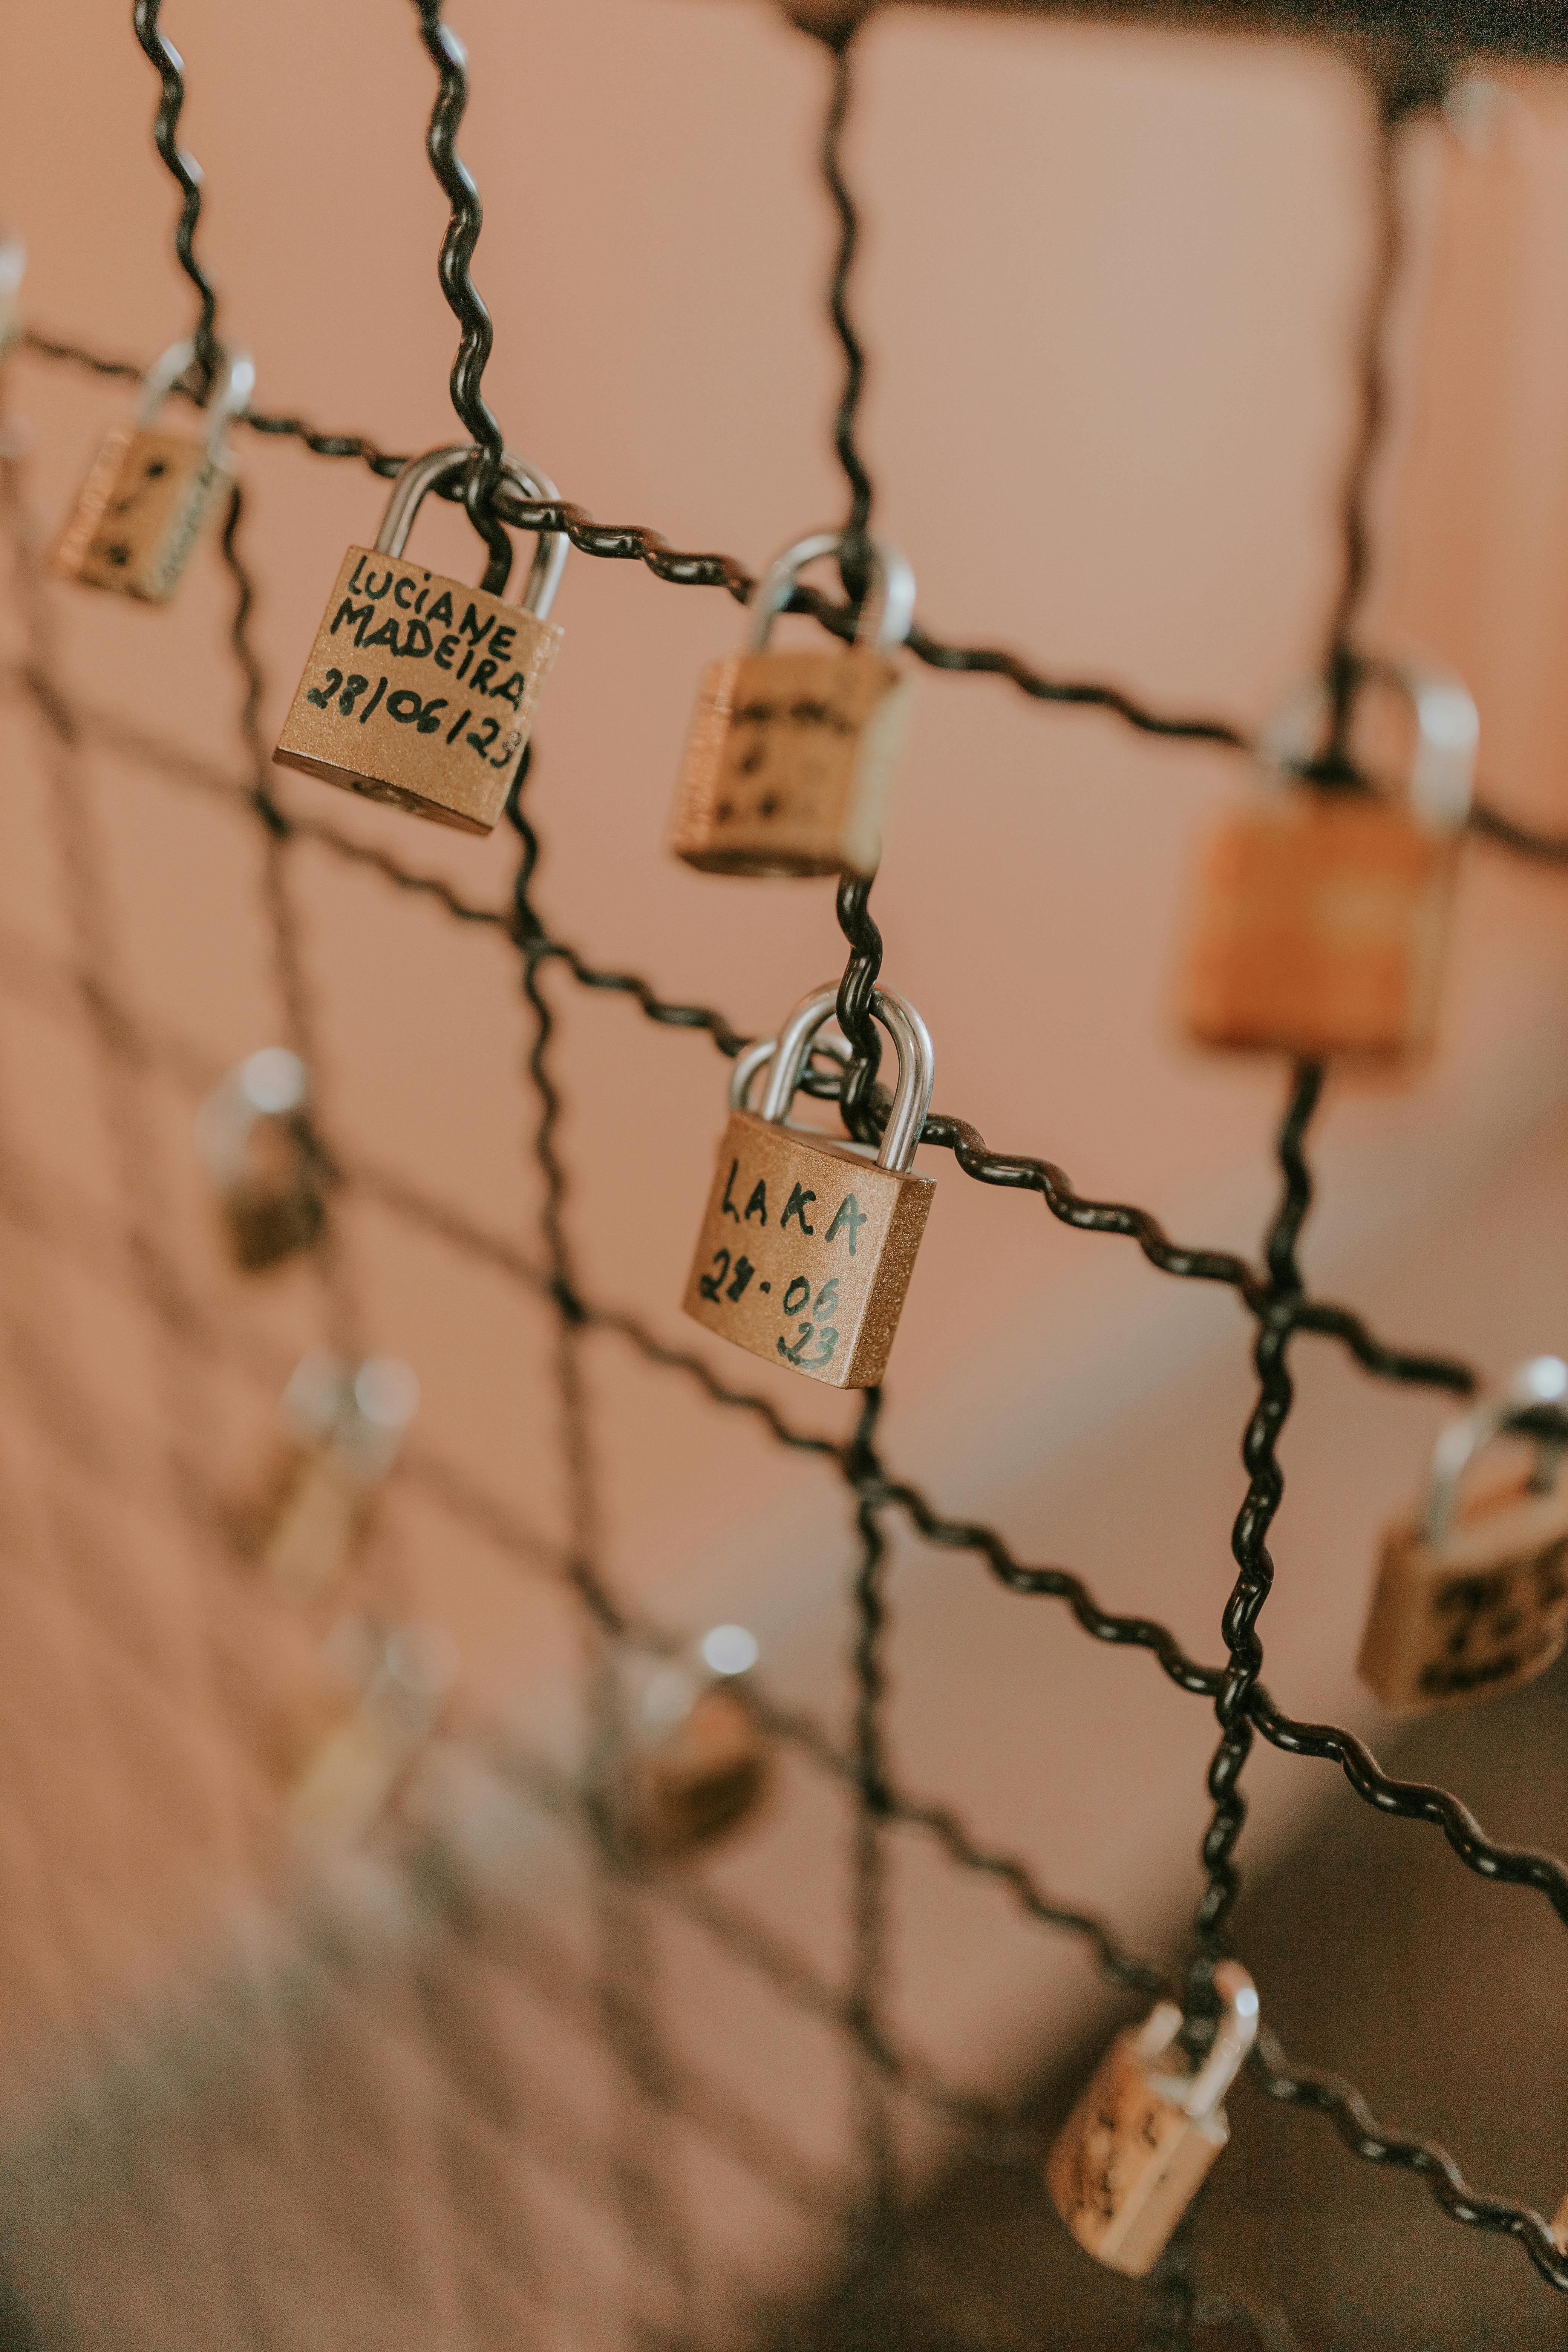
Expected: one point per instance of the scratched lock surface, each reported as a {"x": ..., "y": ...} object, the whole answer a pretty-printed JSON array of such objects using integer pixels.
[
  {"x": 789, "y": 762},
  {"x": 805, "y": 1250},
  {"x": 141, "y": 512},
  {"x": 419, "y": 691},
  {"x": 1474, "y": 1616}
]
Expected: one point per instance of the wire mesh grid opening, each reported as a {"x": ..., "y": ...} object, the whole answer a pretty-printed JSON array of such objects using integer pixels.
[{"x": 489, "y": 2074}]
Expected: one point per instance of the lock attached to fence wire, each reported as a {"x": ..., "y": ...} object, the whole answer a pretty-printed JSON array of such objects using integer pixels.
[
  {"x": 343, "y": 1424},
  {"x": 791, "y": 755},
  {"x": 808, "y": 1242},
  {"x": 695, "y": 1763},
  {"x": 403, "y": 1674},
  {"x": 144, "y": 506},
  {"x": 1472, "y": 1595},
  {"x": 1139, "y": 2144},
  {"x": 419, "y": 691},
  {"x": 1322, "y": 916},
  {"x": 254, "y": 1134}
]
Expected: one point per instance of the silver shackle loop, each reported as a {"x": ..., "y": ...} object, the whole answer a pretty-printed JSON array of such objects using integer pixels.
[
  {"x": 1447, "y": 730},
  {"x": 423, "y": 473},
  {"x": 917, "y": 1069},
  {"x": 234, "y": 385},
  {"x": 1199, "y": 2095},
  {"x": 758, "y": 1054},
  {"x": 1542, "y": 1382},
  {"x": 885, "y": 612}
]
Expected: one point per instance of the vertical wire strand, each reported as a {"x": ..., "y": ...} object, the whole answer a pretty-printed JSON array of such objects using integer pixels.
[
  {"x": 188, "y": 175},
  {"x": 873, "y": 2217}
]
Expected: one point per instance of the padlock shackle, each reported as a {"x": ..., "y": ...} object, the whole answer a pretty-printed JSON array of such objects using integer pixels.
[
  {"x": 762, "y": 1051},
  {"x": 1544, "y": 1380},
  {"x": 887, "y": 609},
  {"x": 1447, "y": 730},
  {"x": 423, "y": 473},
  {"x": 1198, "y": 2096},
  {"x": 917, "y": 1069},
  {"x": 232, "y": 399}
]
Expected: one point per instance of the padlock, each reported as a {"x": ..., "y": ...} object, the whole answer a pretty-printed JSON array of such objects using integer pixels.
[
  {"x": 143, "y": 505},
  {"x": 1321, "y": 917},
  {"x": 355, "y": 1776},
  {"x": 791, "y": 755},
  {"x": 807, "y": 1244},
  {"x": 1472, "y": 1596},
  {"x": 254, "y": 1133},
  {"x": 1139, "y": 2144},
  {"x": 344, "y": 1425},
  {"x": 425, "y": 699},
  {"x": 695, "y": 1761}
]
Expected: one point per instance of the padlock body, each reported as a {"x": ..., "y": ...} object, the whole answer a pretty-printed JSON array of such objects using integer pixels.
[
  {"x": 701, "y": 1780},
  {"x": 305, "y": 1530},
  {"x": 1320, "y": 927},
  {"x": 806, "y": 1252},
  {"x": 1475, "y": 1615},
  {"x": 141, "y": 512},
  {"x": 419, "y": 691},
  {"x": 354, "y": 1777},
  {"x": 1128, "y": 2163},
  {"x": 271, "y": 1198},
  {"x": 789, "y": 762}
]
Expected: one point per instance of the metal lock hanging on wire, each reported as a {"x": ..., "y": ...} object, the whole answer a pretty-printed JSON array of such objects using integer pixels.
[
  {"x": 419, "y": 691},
  {"x": 404, "y": 1674},
  {"x": 144, "y": 504},
  {"x": 344, "y": 1425},
  {"x": 808, "y": 1242},
  {"x": 254, "y": 1133},
  {"x": 1139, "y": 2144},
  {"x": 1472, "y": 1595},
  {"x": 1322, "y": 916},
  {"x": 791, "y": 755},
  {"x": 695, "y": 1762}
]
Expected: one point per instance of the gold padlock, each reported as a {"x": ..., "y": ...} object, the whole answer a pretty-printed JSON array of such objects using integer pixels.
[
  {"x": 254, "y": 1133},
  {"x": 1473, "y": 1600},
  {"x": 344, "y": 1425},
  {"x": 791, "y": 755},
  {"x": 356, "y": 1775},
  {"x": 143, "y": 505},
  {"x": 696, "y": 1763},
  {"x": 1139, "y": 2144},
  {"x": 419, "y": 691},
  {"x": 1322, "y": 918},
  {"x": 808, "y": 1242}
]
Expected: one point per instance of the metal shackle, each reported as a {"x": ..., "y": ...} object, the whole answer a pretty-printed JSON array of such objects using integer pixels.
[
  {"x": 759, "y": 1054},
  {"x": 422, "y": 473},
  {"x": 887, "y": 609},
  {"x": 237, "y": 382},
  {"x": 1542, "y": 1382},
  {"x": 1199, "y": 2095},
  {"x": 917, "y": 1069},
  {"x": 1447, "y": 730}
]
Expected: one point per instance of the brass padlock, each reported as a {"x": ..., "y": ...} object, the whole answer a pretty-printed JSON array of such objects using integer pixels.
[
  {"x": 696, "y": 1763},
  {"x": 808, "y": 1242},
  {"x": 791, "y": 755},
  {"x": 143, "y": 505},
  {"x": 1471, "y": 1601},
  {"x": 1322, "y": 917},
  {"x": 254, "y": 1133},
  {"x": 355, "y": 1776},
  {"x": 344, "y": 1425},
  {"x": 1139, "y": 2144},
  {"x": 419, "y": 691}
]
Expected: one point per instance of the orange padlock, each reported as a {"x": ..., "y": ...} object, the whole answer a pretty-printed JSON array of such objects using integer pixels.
[{"x": 1321, "y": 916}]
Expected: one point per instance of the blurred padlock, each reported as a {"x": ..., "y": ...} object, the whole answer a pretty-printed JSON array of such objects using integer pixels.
[
  {"x": 695, "y": 1762},
  {"x": 419, "y": 691},
  {"x": 808, "y": 1242},
  {"x": 355, "y": 1777},
  {"x": 150, "y": 492},
  {"x": 1472, "y": 1599},
  {"x": 791, "y": 755},
  {"x": 1137, "y": 2147},
  {"x": 254, "y": 1133},
  {"x": 343, "y": 1424},
  {"x": 1322, "y": 916}
]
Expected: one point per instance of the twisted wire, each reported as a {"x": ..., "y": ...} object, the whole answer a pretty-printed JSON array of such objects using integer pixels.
[{"x": 186, "y": 173}]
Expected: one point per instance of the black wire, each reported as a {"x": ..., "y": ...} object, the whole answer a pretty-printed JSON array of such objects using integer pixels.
[{"x": 188, "y": 175}]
